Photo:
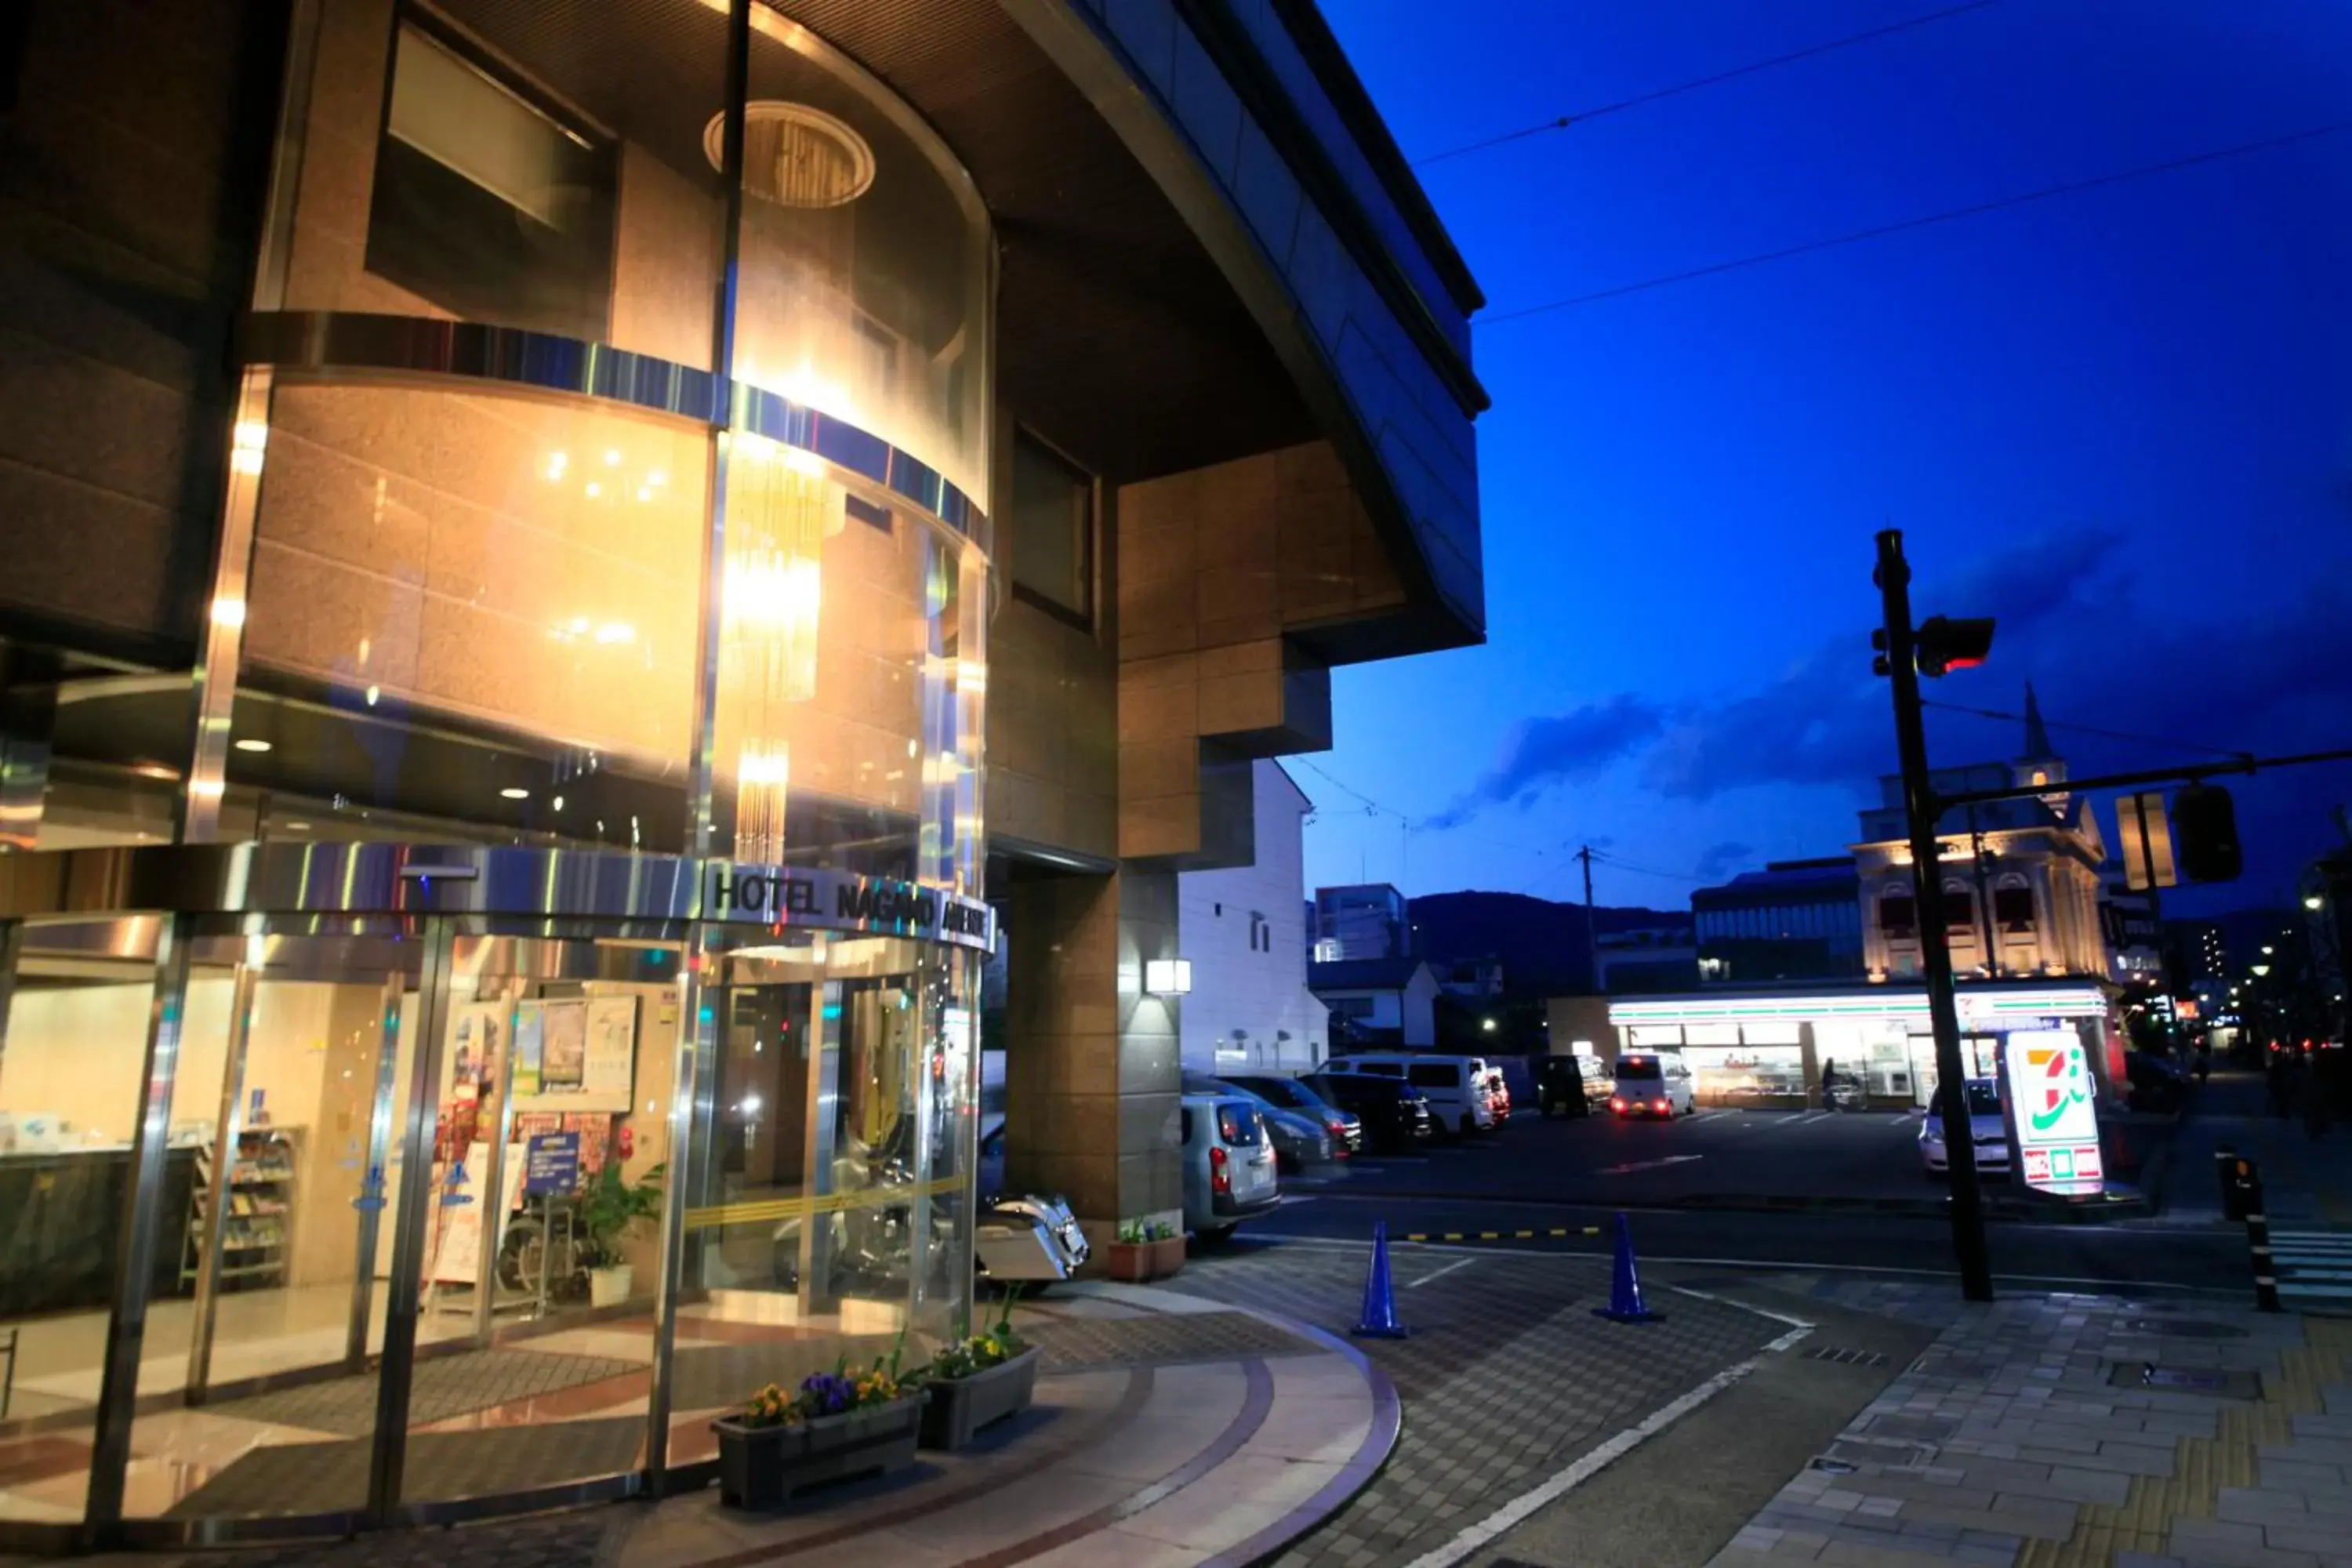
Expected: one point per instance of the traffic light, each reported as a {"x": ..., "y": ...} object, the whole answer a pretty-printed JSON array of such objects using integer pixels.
[
  {"x": 2205, "y": 833},
  {"x": 1945, "y": 644}
]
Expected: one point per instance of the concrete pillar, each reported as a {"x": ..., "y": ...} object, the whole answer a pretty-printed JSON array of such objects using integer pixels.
[{"x": 1091, "y": 1067}]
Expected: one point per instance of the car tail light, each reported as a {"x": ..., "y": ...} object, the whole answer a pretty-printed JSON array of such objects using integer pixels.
[
  {"x": 1659, "y": 1105},
  {"x": 1617, "y": 1103},
  {"x": 1221, "y": 1180}
]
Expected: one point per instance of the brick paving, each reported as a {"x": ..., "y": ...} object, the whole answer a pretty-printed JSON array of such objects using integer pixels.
[
  {"x": 2015, "y": 1440},
  {"x": 1508, "y": 1378},
  {"x": 1074, "y": 1344}
]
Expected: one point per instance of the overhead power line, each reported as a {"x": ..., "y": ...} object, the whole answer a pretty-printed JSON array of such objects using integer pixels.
[
  {"x": 2090, "y": 729},
  {"x": 1609, "y": 859},
  {"x": 1880, "y": 231},
  {"x": 1581, "y": 116}
]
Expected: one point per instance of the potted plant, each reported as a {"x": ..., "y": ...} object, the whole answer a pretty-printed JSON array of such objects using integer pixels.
[
  {"x": 835, "y": 1424},
  {"x": 1146, "y": 1249},
  {"x": 977, "y": 1381},
  {"x": 611, "y": 1206}
]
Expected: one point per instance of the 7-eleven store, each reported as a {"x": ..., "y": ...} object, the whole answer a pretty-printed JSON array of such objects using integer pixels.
[{"x": 1767, "y": 1049}]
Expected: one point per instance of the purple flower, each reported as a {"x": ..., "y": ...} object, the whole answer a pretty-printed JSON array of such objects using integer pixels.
[{"x": 828, "y": 1393}]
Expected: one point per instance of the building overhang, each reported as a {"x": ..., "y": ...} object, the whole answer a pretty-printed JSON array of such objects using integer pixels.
[
  {"x": 1993, "y": 1004},
  {"x": 1185, "y": 280}
]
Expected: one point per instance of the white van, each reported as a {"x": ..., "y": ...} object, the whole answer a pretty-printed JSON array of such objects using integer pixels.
[
  {"x": 1455, "y": 1086},
  {"x": 1652, "y": 1083}
]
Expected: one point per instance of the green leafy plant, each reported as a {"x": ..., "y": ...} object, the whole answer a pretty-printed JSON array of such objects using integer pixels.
[
  {"x": 992, "y": 1346},
  {"x": 1162, "y": 1231},
  {"x": 614, "y": 1204},
  {"x": 1131, "y": 1232}
]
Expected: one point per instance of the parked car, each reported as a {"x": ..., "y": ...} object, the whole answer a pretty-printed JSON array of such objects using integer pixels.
[
  {"x": 1652, "y": 1083},
  {"x": 1559, "y": 1087},
  {"x": 1229, "y": 1165},
  {"x": 1299, "y": 1140},
  {"x": 1984, "y": 1125},
  {"x": 1347, "y": 1129},
  {"x": 1395, "y": 1117},
  {"x": 2156, "y": 1083},
  {"x": 1456, "y": 1086}
]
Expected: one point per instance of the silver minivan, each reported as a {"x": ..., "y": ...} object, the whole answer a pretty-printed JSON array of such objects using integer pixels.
[{"x": 1228, "y": 1159}]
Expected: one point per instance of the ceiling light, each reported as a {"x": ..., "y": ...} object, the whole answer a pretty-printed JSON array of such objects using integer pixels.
[
  {"x": 297, "y": 827},
  {"x": 250, "y": 744},
  {"x": 511, "y": 793},
  {"x": 613, "y": 458}
]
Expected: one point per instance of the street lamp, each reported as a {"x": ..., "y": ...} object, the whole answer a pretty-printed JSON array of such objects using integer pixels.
[
  {"x": 1488, "y": 1025},
  {"x": 2261, "y": 969},
  {"x": 2314, "y": 902}
]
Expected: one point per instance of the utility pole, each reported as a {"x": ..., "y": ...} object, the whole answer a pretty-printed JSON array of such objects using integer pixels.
[
  {"x": 1984, "y": 898},
  {"x": 1920, "y": 811},
  {"x": 1591, "y": 943}
]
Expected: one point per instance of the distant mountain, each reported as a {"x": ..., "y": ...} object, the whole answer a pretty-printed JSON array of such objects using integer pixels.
[{"x": 1540, "y": 943}]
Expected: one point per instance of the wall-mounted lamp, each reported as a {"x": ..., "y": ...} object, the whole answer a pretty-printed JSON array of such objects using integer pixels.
[{"x": 1167, "y": 976}]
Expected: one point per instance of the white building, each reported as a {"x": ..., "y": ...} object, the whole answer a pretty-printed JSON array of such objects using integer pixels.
[
  {"x": 1244, "y": 932},
  {"x": 1390, "y": 1000}
]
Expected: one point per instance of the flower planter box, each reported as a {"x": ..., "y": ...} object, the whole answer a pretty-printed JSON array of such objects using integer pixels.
[
  {"x": 963, "y": 1406},
  {"x": 1138, "y": 1261},
  {"x": 764, "y": 1467}
]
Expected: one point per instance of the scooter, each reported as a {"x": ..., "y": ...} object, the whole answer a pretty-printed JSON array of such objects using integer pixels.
[{"x": 1027, "y": 1240}]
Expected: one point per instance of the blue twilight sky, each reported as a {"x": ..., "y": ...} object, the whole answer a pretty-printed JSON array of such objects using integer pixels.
[{"x": 2121, "y": 421}]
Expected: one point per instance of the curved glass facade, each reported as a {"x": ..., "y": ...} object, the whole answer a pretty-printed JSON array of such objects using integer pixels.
[{"x": 565, "y": 518}]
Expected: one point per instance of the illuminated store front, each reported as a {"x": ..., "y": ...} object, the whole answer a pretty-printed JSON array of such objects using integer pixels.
[
  {"x": 576, "y": 804},
  {"x": 1767, "y": 1050}
]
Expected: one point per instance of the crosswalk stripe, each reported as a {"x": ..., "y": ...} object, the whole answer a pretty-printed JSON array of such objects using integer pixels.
[{"x": 2313, "y": 1265}]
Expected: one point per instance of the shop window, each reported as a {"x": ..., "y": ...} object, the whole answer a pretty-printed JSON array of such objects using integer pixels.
[
  {"x": 2013, "y": 907},
  {"x": 1053, "y": 532},
  {"x": 1897, "y": 916},
  {"x": 1959, "y": 909},
  {"x": 486, "y": 202}
]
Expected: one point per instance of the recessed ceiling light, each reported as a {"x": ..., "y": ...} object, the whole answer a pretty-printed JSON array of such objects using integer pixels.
[
  {"x": 513, "y": 794},
  {"x": 297, "y": 827},
  {"x": 250, "y": 744}
]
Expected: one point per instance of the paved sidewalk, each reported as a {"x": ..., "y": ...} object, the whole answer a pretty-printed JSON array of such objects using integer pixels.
[
  {"x": 2047, "y": 1430},
  {"x": 1509, "y": 1380},
  {"x": 1167, "y": 1429}
]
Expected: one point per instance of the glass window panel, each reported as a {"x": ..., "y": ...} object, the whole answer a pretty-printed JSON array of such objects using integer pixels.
[
  {"x": 535, "y": 166},
  {"x": 1053, "y": 529},
  {"x": 70, "y": 1073},
  {"x": 863, "y": 287}
]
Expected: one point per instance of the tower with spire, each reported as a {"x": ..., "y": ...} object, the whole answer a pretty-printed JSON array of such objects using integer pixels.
[{"x": 2039, "y": 763}]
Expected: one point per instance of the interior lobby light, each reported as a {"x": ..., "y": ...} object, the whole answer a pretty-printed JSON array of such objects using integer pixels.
[
  {"x": 251, "y": 745},
  {"x": 511, "y": 793}
]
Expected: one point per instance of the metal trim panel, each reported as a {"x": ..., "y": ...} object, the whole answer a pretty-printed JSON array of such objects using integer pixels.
[
  {"x": 498, "y": 881},
  {"x": 325, "y": 342}
]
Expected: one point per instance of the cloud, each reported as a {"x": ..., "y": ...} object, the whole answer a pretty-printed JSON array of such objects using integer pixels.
[
  {"x": 1720, "y": 858},
  {"x": 1557, "y": 749},
  {"x": 1826, "y": 719},
  {"x": 2129, "y": 657}
]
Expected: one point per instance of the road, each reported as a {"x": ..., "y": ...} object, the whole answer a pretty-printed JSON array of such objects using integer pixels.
[
  {"x": 1827, "y": 1190},
  {"x": 1600, "y": 1159},
  {"x": 2053, "y": 1256}
]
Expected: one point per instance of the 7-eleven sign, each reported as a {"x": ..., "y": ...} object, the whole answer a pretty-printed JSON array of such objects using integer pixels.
[{"x": 2052, "y": 1103}]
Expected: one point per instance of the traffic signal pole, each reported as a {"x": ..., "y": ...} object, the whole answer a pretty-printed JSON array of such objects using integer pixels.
[{"x": 1920, "y": 812}]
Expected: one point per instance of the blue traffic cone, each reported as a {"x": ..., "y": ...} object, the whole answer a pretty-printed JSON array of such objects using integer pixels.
[
  {"x": 1380, "y": 1315},
  {"x": 1625, "y": 1284}
]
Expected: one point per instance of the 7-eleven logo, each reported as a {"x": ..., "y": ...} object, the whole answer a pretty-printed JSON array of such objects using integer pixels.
[{"x": 2058, "y": 1085}]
